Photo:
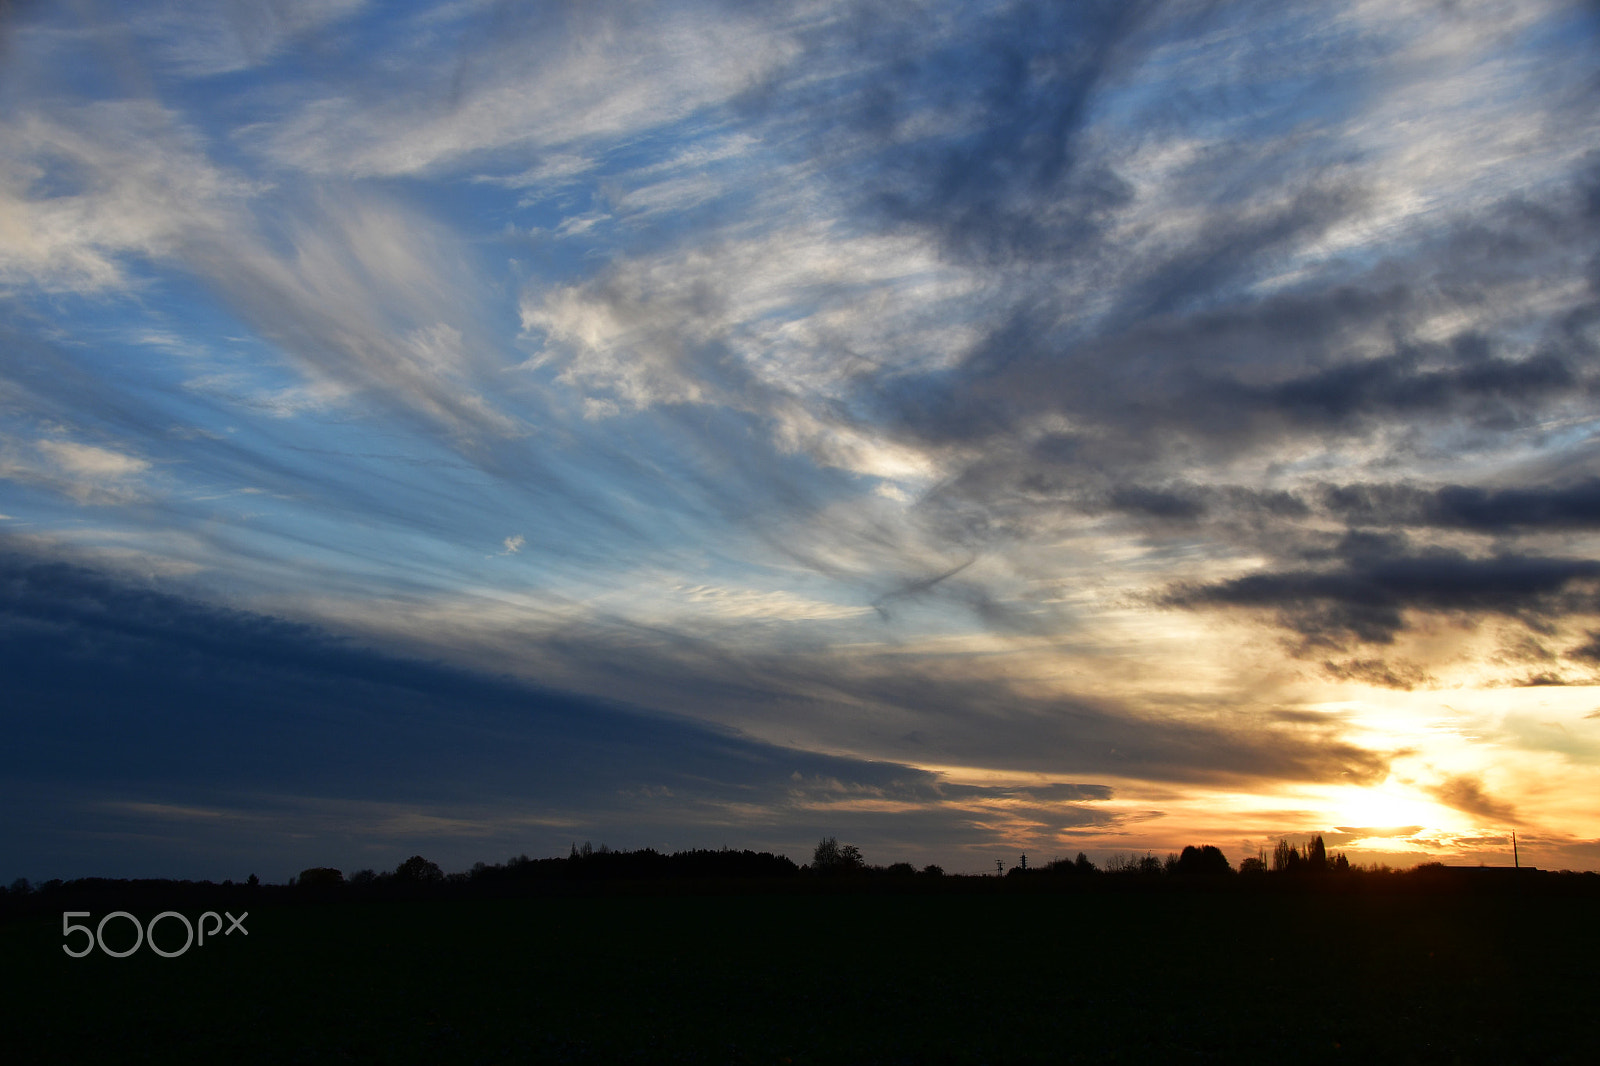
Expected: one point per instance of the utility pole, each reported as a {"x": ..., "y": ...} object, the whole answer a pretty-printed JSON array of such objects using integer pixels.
[
  {"x": 1516, "y": 863},
  {"x": 999, "y": 867},
  {"x": 1024, "y": 862}
]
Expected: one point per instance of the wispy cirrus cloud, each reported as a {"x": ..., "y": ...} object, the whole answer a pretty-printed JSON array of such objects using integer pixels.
[{"x": 544, "y": 81}]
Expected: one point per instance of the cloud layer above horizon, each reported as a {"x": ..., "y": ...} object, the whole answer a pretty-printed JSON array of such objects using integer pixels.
[{"x": 1096, "y": 426}]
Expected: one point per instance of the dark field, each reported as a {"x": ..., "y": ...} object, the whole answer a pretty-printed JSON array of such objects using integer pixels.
[{"x": 812, "y": 977}]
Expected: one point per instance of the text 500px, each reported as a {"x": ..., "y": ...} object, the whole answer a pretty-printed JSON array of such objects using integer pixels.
[{"x": 146, "y": 934}]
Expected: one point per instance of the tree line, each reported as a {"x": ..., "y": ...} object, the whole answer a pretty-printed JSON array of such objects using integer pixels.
[{"x": 832, "y": 863}]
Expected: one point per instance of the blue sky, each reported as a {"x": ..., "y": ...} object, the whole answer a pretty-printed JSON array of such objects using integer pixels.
[{"x": 960, "y": 429}]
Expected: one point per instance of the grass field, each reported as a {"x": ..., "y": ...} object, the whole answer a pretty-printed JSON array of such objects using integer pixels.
[{"x": 836, "y": 978}]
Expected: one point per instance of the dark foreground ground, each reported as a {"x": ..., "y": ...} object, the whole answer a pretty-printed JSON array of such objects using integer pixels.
[{"x": 834, "y": 977}]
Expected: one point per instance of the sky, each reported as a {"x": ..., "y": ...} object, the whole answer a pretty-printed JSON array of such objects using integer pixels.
[{"x": 963, "y": 429}]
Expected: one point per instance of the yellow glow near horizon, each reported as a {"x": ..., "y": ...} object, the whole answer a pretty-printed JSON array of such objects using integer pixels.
[{"x": 1388, "y": 806}]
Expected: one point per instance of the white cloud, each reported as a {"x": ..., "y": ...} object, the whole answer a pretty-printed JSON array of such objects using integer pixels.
[
  {"x": 611, "y": 74},
  {"x": 358, "y": 293},
  {"x": 243, "y": 390},
  {"x": 376, "y": 297},
  {"x": 803, "y": 310},
  {"x": 212, "y": 37},
  {"x": 86, "y": 460},
  {"x": 87, "y": 473},
  {"x": 721, "y": 603},
  {"x": 83, "y": 189}
]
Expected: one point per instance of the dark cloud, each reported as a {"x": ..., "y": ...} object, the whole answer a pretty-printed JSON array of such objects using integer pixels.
[
  {"x": 1481, "y": 510},
  {"x": 1402, "y": 384},
  {"x": 1385, "y": 674},
  {"x": 1545, "y": 679},
  {"x": 1061, "y": 791},
  {"x": 1588, "y": 651},
  {"x": 1017, "y": 87},
  {"x": 137, "y": 697},
  {"x": 1196, "y": 380},
  {"x": 1065, "y": 791},
  {"x": 1466, "y": 793},
  {"x": 1184, "y": 503},
  {"x": 1157, "y": 503},
  {"x": 1366, "y": 599},
  {"x": 927, "y": 708}
]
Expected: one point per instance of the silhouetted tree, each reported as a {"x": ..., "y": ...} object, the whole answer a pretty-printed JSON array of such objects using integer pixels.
[
  {"x": 831, "y": 856},
  {"x": 1252, "y": 866},
  {"x": 321, "y": 877},
  {"x": 1285, "y": 858},
  {"x": 932, "y": 870},
  {"x": 1317, "y": 855},
  {"x": 1206, "y": 860},
  {"x": 420, "y": 870}
]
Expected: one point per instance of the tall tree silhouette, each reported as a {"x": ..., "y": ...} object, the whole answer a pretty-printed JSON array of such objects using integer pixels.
[
  {"x": 831, "y": 856},
  {"x": 1317, "y": 855}
]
